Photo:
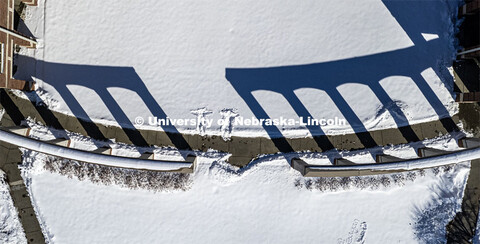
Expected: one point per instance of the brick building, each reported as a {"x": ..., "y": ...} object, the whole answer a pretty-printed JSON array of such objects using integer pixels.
[{"x": 9, "y": 39}]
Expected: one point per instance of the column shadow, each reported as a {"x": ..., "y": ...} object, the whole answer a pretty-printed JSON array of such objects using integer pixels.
[
  {"x": 367, "y": 70},
  {"x": 99, "y": 79}
]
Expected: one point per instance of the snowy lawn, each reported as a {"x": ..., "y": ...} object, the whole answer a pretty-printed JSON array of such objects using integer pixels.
[
  {"x": 266, "y": 202},
  {"x": 378, "y": 64},
  {"x": 11, "y": 231}
]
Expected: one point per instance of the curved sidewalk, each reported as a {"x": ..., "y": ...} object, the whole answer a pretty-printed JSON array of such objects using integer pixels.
[{"x": 243, "y": 149}]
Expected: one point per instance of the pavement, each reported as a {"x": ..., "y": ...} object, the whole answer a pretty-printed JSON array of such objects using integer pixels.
[
  {"x": 467, "y": 79},
  {"x": 243, "y": 149},
  {"x": 462, "y": 228},
  {"x": 11, "y": 158}
]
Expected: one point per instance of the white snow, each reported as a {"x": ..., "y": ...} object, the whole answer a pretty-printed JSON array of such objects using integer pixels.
[
  {"x": 228, "y": 118},
  {"x": 429, "y": 37},
  {"x": 267, "y": 201},
  {"x": 379, "y": 64},
  {"x": 11, "y": 231},
  {"x": 180, "y": 50},
  {"x": 255, "y": 205}
]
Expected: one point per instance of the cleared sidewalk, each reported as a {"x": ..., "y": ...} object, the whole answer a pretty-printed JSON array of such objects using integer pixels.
[{"x": 243, "y": 149}]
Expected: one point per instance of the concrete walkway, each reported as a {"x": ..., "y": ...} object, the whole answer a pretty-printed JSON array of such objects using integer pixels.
[
  {"x": 11, "y": 158},
  {"x": 462, "y": 228},
  {"x": 467, "y": 80},
  {"x": 243, "y": 150}
]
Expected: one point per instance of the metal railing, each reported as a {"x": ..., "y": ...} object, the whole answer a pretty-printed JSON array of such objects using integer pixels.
[
  {"x": 60, "y": 148},
  {"x": 428, "y": 158}
]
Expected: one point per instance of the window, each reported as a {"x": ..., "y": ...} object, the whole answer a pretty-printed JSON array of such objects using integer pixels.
[{"x": 2, "y": 51}]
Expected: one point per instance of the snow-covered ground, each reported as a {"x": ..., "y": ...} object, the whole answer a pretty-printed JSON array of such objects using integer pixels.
[
  {"x": 11, "y": 231},
  {"x": 379, "y": 64},
  {"x": 268, "y": 202}
]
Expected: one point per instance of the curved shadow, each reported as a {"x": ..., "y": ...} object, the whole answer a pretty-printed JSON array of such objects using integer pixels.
[
  {"x": 99, "y": 79},
  {"x": 327, "y": 76},
  {"x": 367, "y": 70}
]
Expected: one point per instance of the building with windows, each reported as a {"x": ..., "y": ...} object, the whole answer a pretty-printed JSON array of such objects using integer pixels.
[{"x": 9, "y": 39}]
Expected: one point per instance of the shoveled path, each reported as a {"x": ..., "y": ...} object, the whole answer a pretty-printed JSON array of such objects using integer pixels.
[
  {"x": 462, "y": 228},
  {"x": 10, "y": 158},
  {"x": 243, "y": 149},
  {"x": 9, "y": 161}
]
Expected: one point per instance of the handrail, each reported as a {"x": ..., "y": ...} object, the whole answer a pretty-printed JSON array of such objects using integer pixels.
[
  {"x": 385, "y": 168},
  {"x": 18, "y": 35},
  {"x": 469, "y": 51},
  {"x": 95, "y": 158}
]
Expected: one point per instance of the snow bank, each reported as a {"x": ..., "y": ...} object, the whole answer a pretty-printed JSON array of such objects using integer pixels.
[
  {"x": 155, "y": 181},
  {"x": 11, "y": 230}
]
